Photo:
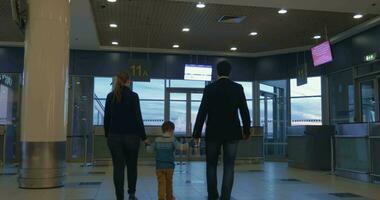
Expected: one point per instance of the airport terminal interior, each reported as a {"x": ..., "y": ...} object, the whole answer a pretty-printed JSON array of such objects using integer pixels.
[{"x": 309, "y": 70}]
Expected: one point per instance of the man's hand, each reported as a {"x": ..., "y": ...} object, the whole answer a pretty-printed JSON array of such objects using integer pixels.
[{"x": 146, "y": 142}]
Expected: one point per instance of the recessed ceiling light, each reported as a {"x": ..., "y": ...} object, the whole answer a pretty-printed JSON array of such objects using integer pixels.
[
  {"x": 317, "y": 37},
  {"x": 201, "y": 5},
  {"x": 115, "y": 43},
  {"x": 233, "y": 48},
  {"x": 253, "y": 33},
  {"x": 358, "y": 16},
  {"x": 185, "y": 29},
  {"x": 113, "y": 25},
  {"x": 176, "y": 46},
  {"x": 112, "y": 1},
  {"x": 282, "y": 11}
]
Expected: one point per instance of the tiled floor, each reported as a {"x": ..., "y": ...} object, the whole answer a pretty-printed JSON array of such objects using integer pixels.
[{"x": 253, "y": 182}]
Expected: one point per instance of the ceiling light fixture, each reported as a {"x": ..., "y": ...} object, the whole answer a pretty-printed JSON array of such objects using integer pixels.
[
  {"x": 358, "y": 16},
  {"x": 234, "y": 49},
  {"x": 176, "y": 46},
  {"x": 185, "y": 29},
  {"x": 113, "y": 25},
  {"x": 317, "y": 37},
  {"x": 112, "y": 1},
  {"x": 201, "y": 5},
  {"x": 253, "y": 33},
  {"x": 115, "y": 43},
  {"x": 282, "y": 11}
]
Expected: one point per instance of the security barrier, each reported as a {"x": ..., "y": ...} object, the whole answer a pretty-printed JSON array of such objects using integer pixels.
[
  {"x": 251, "y": 151},
  {"x": 357, "y": 147},
  {"x": 309, "y": 147}
]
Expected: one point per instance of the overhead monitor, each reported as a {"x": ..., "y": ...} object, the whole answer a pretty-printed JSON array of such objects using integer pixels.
[
  {"x": 321, "y": 54},
  {"x": 198, "y": 72}
]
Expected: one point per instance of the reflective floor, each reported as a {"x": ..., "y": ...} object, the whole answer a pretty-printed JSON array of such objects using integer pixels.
[{"x": 254, "y": 182}]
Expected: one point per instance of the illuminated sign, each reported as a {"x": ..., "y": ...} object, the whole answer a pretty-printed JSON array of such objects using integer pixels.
[
  {"x": 139, "y": 70},
  {"x": 370, "y": 57}
]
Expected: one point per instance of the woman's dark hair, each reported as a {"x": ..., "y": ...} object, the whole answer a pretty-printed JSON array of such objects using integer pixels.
[
  {"x": 167, "y": 126},
  {"x": 121, "y": 79},
  {"x": 223, "y": 68}
]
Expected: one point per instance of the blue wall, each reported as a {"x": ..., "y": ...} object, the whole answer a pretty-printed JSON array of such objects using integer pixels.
[{"x": 346, "y": 54}]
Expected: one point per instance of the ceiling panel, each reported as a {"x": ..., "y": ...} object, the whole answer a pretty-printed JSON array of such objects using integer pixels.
[{"x": 158, "y": 24}]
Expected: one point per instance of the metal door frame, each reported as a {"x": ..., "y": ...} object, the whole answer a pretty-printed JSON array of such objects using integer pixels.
[
  {"x": 358, "y": 107},
  {"x": 188, "y": 92},
  {"x": 267, "y": 95}
]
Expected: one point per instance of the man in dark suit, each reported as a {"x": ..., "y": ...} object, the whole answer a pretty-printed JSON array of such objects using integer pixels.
[{"x": 222, "y": 101}]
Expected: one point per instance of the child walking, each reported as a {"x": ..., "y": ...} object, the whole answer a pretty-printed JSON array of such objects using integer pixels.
[{"x": 165, "y": 147}]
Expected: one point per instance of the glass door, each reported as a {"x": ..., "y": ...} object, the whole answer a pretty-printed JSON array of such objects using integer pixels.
[
  {"x": 368, "y": 98},
  {"x": 266, "y": 115},
  {"x": 272, "y": 119},
  {"x": 178, "y": 112},
  {"x": 182, "y": 108}
]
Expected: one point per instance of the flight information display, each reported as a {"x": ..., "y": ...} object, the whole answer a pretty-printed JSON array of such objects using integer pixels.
[
  {"x": 198, "y": 72},
  {"x": 321, "y": 54}
]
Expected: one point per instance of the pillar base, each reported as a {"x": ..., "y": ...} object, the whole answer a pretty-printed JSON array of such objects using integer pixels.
[{"x": 42, "y": 165}]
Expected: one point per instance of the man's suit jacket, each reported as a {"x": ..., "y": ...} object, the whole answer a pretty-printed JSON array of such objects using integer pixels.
[{"x": 221, "y": 103}]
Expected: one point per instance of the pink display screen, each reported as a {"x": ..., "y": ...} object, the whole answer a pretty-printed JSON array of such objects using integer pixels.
[{"x": 322, "y": 53}]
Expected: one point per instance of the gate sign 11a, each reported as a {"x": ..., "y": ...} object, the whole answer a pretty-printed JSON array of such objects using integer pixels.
[{"x": 139, "y": 70}]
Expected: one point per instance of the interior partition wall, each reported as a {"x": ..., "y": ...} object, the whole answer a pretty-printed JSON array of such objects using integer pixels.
[{"x": 354, "y": 94}]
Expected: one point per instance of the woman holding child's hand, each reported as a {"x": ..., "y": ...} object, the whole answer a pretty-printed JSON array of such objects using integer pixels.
[{"x": 124, "y": 129}]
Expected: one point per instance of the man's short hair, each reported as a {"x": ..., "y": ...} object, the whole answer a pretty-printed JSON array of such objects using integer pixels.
[
  {"x": 223, "y": 68},
  {"x": 167, "y": 126}
]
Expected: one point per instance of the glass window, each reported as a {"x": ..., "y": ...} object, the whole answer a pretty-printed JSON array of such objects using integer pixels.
[
  {"x": 194, "y": 110},
  {"x": 178, "y": 96},
  {"x": 367, "y": 101},
  {"x": 196, "y": 97},
  {"x": 312, "y": 88},
  {"x": 155, "y": 89},
  {"x": 266, "y": 88},
  {"x": 152, "y": 112},
  {"x": 4, "y": 108},
  {"x": 247, "y": 89},
  {"x": 178, "y": 116},
  {"x": 306, "y": 111},
  {"x": 266, "y": 116},
  {"x": 187, "y": 84},
  {"x": 306, "y": 102},
  {"x": 102, "y": 86},
  {"x": 152, "y": 95}
]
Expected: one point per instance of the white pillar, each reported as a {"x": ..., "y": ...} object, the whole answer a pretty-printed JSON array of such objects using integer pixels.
[{"x": 44, "y": 94}]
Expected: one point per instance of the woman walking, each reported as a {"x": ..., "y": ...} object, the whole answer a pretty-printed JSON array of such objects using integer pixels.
[{"x": 124, "y": 128}]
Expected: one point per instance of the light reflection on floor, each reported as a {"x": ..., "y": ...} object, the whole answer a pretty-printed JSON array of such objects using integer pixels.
[{"x": 271, "y": 181}]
